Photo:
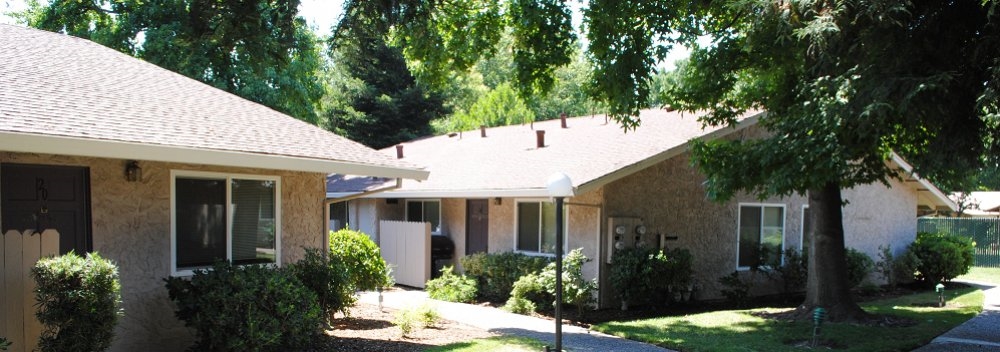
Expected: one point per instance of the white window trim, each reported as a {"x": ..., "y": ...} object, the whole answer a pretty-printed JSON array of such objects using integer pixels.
[
  {"x": 406, "y": 212},
  {"x": 516, "y": 227},
  {"x": 174, "y": 174},
  {"x": 784, "y": 230},
  {"x": 802, "y": 228}
]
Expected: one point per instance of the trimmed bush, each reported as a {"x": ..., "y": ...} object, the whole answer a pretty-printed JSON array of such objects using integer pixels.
[
  {"x": 859, "y": 265},
  {"x": 328, "y": 278},
  {"x": 452, "y": 288},
  {"x": 246, "y": 308},
  {"x": 362, "y": 258},
  {"x": 495, "y": 273},
  {"x": 942, "y": 257},
  {"x": 79, "y": 302},
  {"x": 529, "y": 288}
]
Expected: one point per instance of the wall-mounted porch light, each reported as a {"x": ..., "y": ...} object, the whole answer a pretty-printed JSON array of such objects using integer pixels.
[{"x": 133, "y": 173}]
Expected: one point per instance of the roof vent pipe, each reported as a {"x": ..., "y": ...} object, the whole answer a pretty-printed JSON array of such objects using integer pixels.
[
  {"x": 540, "y": 138},
  {"x": 399, "y": 151},
  {"x": 562, "y": 116},
  {"x": 482, "y": 131}
]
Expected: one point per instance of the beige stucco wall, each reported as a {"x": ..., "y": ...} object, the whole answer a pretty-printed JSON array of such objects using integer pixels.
[
  {"x": 131, "y": 226},
  {"x": 670, "y": 198}
]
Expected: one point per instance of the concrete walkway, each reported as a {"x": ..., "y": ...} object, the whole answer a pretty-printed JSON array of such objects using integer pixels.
[
  {"x": 981, "y": 333},
  {"x": 499, "y": 321}
]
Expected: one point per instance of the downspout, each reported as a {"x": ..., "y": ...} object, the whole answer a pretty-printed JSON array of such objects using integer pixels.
[{"x": 328, "y": 201}]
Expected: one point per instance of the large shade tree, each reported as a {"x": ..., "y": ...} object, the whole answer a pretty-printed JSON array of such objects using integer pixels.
[
  {"x": 845, "y": 84},
  {"x": 259, "y": 50}
]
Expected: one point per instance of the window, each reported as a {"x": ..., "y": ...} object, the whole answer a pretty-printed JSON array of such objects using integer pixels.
[
  {"x": 218, "y": 216},
  {"x": 761, "y": 227},
  {"x": 338, "y": 216},
  {"x": 536, "y": 227},
  {"x": 806, "y": 229},
  {"x": 425, "y": 211}
]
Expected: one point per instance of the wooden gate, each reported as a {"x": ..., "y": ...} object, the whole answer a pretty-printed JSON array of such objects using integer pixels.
[
  {"x": 19, "y": 251},
  {"x": 406, "y": 247}
]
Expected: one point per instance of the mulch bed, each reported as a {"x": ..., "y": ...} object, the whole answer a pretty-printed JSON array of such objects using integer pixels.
[{"x": 369, "y": 329}]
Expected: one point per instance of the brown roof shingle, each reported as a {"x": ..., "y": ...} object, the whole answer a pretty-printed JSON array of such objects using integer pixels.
[
  {"x": 506, "y": 162},
  {"x": 60, "y": 86}
]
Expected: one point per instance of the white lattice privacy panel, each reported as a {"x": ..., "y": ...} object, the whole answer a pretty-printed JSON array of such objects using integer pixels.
[
  {"x": 406, "y": 247},
  {"x": 19, "y": 252}
]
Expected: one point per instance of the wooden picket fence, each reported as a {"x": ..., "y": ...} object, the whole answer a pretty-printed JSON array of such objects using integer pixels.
[
  {"x": 984, "y": 231},
  {"x": 406, "y": 247},
  {"x": 19, "y": 251}
]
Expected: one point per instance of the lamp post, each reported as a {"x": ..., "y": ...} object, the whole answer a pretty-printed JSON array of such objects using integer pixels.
[{"x": 559, "y": 187}]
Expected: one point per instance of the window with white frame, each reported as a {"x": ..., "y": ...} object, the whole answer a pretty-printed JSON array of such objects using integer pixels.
[
  {"x": 224, "y": 217},
  {"x": 536, "y": 227},
  {"x": 761, "y": 226},
  {"x": 425, "y": 211}
]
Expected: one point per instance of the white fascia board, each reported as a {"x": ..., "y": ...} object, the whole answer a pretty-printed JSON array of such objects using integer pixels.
[
  {"x": 45, "y": 144},
  {"x": 485, "y": 193},
  {"x": 938, "y": 194}
]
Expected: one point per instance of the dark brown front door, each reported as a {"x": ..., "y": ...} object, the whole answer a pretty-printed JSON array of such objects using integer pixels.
[
  {"x": 477, "y": 232},
  {"x": 48, "y": 197}
]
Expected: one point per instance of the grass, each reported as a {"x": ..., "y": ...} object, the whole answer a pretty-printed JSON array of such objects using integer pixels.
[
  {"x": 739, "y": 330},
  {"x": 499, "y": 343},
  {"x": 979, "y": 274}
]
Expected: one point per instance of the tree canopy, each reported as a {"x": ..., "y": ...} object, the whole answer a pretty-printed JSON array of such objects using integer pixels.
[
  {"x": 845, "y": 84},
  {"x": 259, "y": 50}
]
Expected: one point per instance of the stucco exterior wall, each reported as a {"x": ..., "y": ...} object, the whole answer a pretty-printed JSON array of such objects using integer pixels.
[
  {"x": 670, "y": 198},
  {"x": 131, "y": 226},
  {"x": 876, "y": 215}
]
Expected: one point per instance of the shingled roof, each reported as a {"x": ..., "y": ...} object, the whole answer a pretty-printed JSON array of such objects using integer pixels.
[
  {"x": 65, "y": 95},
  {"x": 592, "y": 151}
]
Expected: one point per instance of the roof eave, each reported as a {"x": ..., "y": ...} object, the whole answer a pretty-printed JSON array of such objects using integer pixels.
[
  {"x": 936, "y": 193},
  {"x": 485, "y": 193},
  {"x": 60, "y": 145}
]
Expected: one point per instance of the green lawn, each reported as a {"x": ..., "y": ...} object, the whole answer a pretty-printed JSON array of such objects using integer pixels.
[
  {"x": 500, "y": 343},
  {"x": 740, "y": 331},
  {"x": 990, "y": 275}
]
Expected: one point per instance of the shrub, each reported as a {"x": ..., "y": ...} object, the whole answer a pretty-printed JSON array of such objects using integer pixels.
[
  {"x": 896, "y": 269},
  {"x": 452, "y": 288},
  {"x": 495, "y": 273},
  {"x": 518, "y": 305},
  {"x": 362, "y": 258},
  {"x": 529, "y": 288},
  {"x": 576, "y": 290},
  {"x": 410, "y": 319},
  {"x": 735, "y": 288},
  {"x": 246, "y": 308},
  {"x": 79, "y": 302},
  {"x": 4, "y": 343},
  {"x": 859, "y": 265},
  {"x": 793, "y": 271},
  {"x": 942, "y": 257},
  {"x": 540, "y": 289},
  {"x": 632, "y": 274},
  {"x": 327, "y": 278}
]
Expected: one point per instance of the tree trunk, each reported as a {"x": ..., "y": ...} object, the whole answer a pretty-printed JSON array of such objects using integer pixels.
[{"x": 827, "y": 285}]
